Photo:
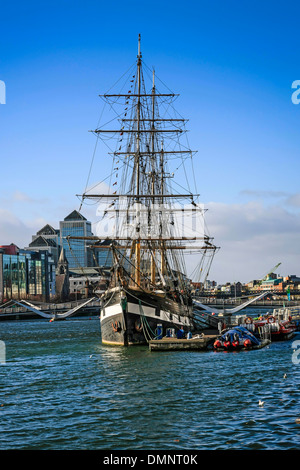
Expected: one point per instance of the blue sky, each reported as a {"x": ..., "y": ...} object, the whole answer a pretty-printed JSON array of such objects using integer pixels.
[{"x": 233, "y": 64}]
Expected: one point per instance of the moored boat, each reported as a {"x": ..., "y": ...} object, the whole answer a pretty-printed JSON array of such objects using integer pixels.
[
  {"x": 150, "y": 225},
  {"x": 279, "y": 329},
  {"x": 238, "y": 338},
  {"x": 132, "y": 317}
]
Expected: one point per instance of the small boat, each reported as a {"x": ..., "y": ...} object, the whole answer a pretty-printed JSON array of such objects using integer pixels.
[
  {"x": 237, "y": 338},
  {"x": 279, "y": 329}
]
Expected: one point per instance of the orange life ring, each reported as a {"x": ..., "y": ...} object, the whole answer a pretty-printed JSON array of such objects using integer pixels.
[
  {"x": 116, "y": 326},
  {"x": 248, "y": 320}
]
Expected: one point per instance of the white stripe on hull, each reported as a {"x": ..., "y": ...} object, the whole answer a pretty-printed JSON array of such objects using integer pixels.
[{"x": 147, "y": 311}]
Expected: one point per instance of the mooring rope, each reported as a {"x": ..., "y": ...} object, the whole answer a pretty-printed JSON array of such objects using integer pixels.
[{"x": 146, "y": 326}]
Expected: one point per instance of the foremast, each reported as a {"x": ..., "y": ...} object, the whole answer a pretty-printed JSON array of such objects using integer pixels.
[{"x": 138, "y": 113}]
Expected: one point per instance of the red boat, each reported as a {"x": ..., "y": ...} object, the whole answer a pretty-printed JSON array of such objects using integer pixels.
[
  {"x": 279, "y": 329},
  {"x": 237, "y": 338}
]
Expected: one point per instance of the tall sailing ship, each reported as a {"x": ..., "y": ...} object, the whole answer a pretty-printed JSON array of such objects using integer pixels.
[{"x": 150, "y": 221}]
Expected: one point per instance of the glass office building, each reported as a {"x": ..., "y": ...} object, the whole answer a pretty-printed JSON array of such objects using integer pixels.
[
  {"x": 26, "y": 275},
  {"x": 14, "y": 273},
  {"x": 77, "y": 252},
  {"x": 103, "y": 256}
]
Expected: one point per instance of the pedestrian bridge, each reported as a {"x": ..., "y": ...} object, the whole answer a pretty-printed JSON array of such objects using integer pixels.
[{"x": 21, "y": 308}]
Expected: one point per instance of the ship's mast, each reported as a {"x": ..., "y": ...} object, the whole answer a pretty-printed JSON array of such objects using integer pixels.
[
  {"x": 153, "y": 171},
  {"x": 138, "y": 117},
  {"x": 153, "y": 250},
  {"x": 138, "y": 244},
  {"x": 162, "y": 250}
]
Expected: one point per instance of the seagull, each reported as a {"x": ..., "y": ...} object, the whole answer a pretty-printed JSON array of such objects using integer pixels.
[
  {"x": 285, "y": 376},
  {"x": 91, "y": 355},
  {"x": 261, "y": 403}
]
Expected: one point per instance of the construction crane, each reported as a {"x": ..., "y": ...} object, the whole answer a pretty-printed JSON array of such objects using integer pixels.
[{"x": 270, "y": 272}]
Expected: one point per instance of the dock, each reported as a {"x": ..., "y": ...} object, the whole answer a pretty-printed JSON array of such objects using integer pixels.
[{"x": 175, "y": 344}]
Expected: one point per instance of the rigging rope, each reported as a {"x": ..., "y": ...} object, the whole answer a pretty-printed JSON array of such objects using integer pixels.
[{"x": 146, "y": 327}]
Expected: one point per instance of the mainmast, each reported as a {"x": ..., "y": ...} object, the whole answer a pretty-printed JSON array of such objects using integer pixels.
[
  {"x": 138, "y": 117},
  {"x": 153, "y": 172},
  {"x": 138, "y": 244}
]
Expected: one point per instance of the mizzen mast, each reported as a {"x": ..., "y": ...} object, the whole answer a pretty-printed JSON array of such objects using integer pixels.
[{"x": 152, "y": 261}]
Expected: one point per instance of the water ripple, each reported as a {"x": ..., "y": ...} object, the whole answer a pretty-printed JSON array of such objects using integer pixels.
[{"x": 61, "y": 389}]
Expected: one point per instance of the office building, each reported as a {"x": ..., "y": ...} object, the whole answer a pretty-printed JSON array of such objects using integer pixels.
[
  {"x": 77, "y": 252},
  {"x": 26, "y": 274},
  {"x": 46, "y": 239}
]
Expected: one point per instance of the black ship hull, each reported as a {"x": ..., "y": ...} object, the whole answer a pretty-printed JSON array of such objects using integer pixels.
[{"x": 133, "y": 318}]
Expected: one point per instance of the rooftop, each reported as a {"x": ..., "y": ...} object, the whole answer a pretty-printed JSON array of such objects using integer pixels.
[{"x": 75, "y": 215}]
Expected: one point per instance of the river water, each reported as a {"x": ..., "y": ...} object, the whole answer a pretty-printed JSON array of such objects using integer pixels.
[{"x": 60, "y": 389}]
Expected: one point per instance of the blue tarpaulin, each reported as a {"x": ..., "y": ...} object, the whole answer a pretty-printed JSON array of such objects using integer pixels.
[{"x": 242, "y": 333}]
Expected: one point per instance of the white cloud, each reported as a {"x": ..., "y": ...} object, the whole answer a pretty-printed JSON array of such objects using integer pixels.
[
  {"x": 263, "y": 193},
  {"x": 286, "y": 198},
  {"x": 253, "y": 238},
  {"x": 294, "y": 200},
  {"x": 13, "y": 229},
  {"x": 19, "y": 196}
]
